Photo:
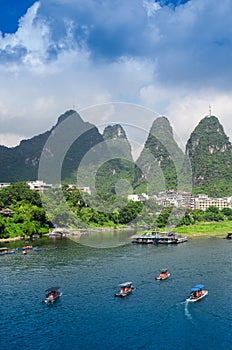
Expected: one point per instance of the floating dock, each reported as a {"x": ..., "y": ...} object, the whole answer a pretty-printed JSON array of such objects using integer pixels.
[{"x": 159, "y": 238}]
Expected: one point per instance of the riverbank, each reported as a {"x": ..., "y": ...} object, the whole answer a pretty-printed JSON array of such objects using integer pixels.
[
  {"x": 205, "y": 230},
  {"x": 10, "y": 239},
  {"x": 201, "y": 230},
  {"x": 71, "y": 232}
]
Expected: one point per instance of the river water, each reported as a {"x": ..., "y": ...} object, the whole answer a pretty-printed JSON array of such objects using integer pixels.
[{"x": 88, "y": 316}]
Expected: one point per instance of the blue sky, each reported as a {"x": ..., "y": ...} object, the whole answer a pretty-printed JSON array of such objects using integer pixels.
[{"x": 173, "y": 57}]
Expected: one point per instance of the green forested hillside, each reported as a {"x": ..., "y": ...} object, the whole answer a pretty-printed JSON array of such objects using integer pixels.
[
  {"x": 210, "y": 153},
  {"x": 118, "y": 173},
  {"x": 161, "y": 161}
]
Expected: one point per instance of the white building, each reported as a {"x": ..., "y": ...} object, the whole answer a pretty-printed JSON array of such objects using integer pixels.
[
  {"x": 38, "y": 185},
  {"x": 138, "y": 197},
  {"x": 81, "y": 188},
  {"x": 203, "y": 202},
  {"x": 133, "y": 197}
]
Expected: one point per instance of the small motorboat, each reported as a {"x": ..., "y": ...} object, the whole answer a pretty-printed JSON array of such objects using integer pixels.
[
  {"x": 125, "y": 289},
  {"x": 3, "y": 250},
  {"x": 164, "y": 274},
  {"x": 25, "y": 247},
  {"x": 52, "y": 295},
  {"x": 6, "y": 251},
  {"x": 12, "y": 251},
  {"x": 197, "y": 293}
]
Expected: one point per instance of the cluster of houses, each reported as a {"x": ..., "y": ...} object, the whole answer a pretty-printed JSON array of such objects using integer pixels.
[
  {"x": 184, "y": 199},
  {"x": 164, "y": 198}
]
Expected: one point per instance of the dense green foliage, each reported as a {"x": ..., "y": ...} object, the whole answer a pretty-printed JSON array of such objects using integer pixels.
[
  {"x": 210, "y": 153},
  {"x": 116, "y": 176},
  {"x": 191, "y": 217},
  {"x": 178, "y": 217},
  {"x": 68, "y": 207},
  {"x": 28, "y": 216},
  {"x": 118, "y": 173}
]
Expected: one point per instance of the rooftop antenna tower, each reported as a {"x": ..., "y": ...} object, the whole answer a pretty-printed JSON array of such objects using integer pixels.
[{"x": 209, "y": 111}]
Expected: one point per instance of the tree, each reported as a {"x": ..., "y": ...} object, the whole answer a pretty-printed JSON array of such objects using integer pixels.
[
  {"x": 227, "y": 212},
  {"x": 130, "y": 212},
  {"x": 212, "y": 209},
  {"x": 18, "y": 192},
  {"x": 197, "y": 215},
  {"x": 2, "y": 226},
  {"x": 162, "y": 219}
]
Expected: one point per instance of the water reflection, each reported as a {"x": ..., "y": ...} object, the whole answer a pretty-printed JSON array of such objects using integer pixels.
[{"x": 107, "y": 239}]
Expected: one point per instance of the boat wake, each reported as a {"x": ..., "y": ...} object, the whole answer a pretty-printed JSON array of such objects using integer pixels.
[{"x": 186, "y": 311}]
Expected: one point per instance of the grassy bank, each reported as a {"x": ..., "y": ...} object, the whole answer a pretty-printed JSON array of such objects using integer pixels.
[{"x": 211, "y": 229}]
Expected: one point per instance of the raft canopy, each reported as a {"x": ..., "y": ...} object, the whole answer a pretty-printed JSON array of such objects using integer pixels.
[
  {"x": 53, "y": 289},
  {"x": 125, "y": 284},
  {"x": 197, "y": 287}
]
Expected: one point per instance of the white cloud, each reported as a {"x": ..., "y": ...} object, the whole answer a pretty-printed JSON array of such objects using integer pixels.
[
  {"x": 186, "y": 112},
  {"x": 185, "y": 107},
  {"x": 151, "y": 7},
  {"x": 11, "y": 140},
  {"x": 30, "y": 42}
]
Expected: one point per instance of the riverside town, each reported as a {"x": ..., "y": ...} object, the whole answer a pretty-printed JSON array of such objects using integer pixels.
[{"x": 164, "y": 198}]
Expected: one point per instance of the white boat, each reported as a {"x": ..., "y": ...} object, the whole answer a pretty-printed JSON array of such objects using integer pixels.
[{"x": 197, "y": 293}]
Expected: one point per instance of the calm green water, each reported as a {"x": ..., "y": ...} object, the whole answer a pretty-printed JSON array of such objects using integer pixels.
[{"x": 87, "y": 316}]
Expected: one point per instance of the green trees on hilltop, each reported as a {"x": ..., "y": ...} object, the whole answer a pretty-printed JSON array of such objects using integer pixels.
[{"x": 210, "y": 153}]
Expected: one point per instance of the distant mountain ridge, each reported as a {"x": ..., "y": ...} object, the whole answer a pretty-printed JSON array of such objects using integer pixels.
[
  {"x": 160, "y": 165},
  {"x": 21, "y": 163}
]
